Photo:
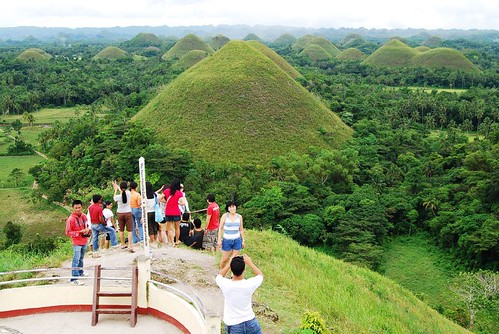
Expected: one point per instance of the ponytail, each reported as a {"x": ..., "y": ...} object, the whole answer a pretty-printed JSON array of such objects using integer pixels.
[{"x": 123, "y": 186}]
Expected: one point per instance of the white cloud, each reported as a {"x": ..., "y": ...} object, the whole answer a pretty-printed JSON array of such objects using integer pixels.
[{"x": 431, "y": 14}]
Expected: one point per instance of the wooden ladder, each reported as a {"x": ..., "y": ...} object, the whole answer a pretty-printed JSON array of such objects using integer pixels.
[{"x": 114, "y": 309}]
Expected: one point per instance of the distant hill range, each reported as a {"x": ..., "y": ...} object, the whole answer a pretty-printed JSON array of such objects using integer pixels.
[
  {"x": 241, "y": 105},
  {"x": 266, "y": 33}
]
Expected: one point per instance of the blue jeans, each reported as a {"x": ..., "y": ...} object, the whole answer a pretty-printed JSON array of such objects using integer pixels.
[
  {"x": 77, "y": 264},
  {"x": 248, "y": 327},
  {"x": 137, "y": 224},
  {"x": 99, "y": 228}
]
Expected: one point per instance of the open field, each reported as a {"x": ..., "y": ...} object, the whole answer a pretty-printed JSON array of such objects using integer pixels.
[
  {"x": 45, "y": 116},
  {"x": 8, "y": 163},
  {"x": 430, "y": 89}
]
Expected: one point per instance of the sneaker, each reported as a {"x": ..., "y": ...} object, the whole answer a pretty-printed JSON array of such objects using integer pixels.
[
  {"x": 76, "y": 282},
  {"x": 85, "y": 274}
]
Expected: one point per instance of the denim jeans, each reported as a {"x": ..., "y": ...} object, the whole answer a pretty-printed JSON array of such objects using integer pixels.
[
  {"x": 137, "y": 224},
  {"x": 99, "y": 228},
  {"x": 248, "y": 327},
  {"x": 77, "y": 264}
]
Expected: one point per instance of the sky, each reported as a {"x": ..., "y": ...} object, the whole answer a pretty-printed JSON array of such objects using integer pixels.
[{"x": 387, "y": 14}]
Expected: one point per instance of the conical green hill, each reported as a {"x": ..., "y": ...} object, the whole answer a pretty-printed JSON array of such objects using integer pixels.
[
  {"x": 350, "y": 54},
  {"x": 281, "y": 62},
  {"x": 325, "y": 44},
  {"x": 186, "y": 44},
  {"x": 444, "y": 57},
  {"x": 315, "y": 53},
  {"x": 34, "y": 54},
  {"x": 239, "y": 106},
  {"x": 302, "y": 42},
  {"x": 393, "y": 53},
  {"x": 285, "y": 39},
  {"x": 192, "y": 57},
  {"x": 422, "y": 48},
  {"x": 218, "y": 41},
  {"x": 252, "y": 37},
  {"x": 112, "y": 53},
  {"x": 145, "y": 39}
]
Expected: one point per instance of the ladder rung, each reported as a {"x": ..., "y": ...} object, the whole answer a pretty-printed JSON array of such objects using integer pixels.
[
  {"x": 113, "y": 311},
  {"x": 113, "y": 294}
]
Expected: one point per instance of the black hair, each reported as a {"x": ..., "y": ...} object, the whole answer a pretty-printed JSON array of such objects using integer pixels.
[
  {"x": 77, "y": 202},
  {"x": 230, "y": 203},
  {"x": 123, "y": 186},
  {"x": 133, "y": 185},
  {"x": 107, "y": 203},
  {"x": 96, "y": 198},
  {"x": 174, "y": 186},
  {"x": 237, "y": 265},
  {"x": 197, "y": 222},
  {"x": 211, "y": 197},
  {"x": 149, "y": 191},
  {"x": 186, "y": 216}
]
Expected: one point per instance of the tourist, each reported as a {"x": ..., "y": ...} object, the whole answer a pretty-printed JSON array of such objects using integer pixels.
[
  {"x": 212, "y": 222},
  {"x": 186, "y": 227},
  {"x": 152, "y": 225},
  {"x": 124, "y": 213},
  {"x": 136, "y": 206},
  {"x": 230, "y": 233},
  {"x": 173, "y": 198},
  {"x": 99, "y": 225},
  {"x": 77, "y": 230},
  {"x": 238, "y": 314},
  {"x": 109, "y": 219}
]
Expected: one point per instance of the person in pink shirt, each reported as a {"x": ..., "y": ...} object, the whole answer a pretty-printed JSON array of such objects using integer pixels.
[{"x": 173, "y": 198}]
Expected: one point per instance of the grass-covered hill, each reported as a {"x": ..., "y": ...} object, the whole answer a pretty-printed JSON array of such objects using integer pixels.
[
  {"x": 444, "y": 57},
  {"x": 285, "y": 39},
  {"x": 34, "y": 54},
  {"x": 151, "y": 51},
  {"x": 252, "y": 37},
  {"x": 314, "y": 53},
  {"x": 239, "y": 106},
  {"x": 350, "y": 299},
  {"x": 218, "y": 41},
  {"x": 350, "y": 54},
  {"x": 393, "y": 53},
  {"x": 281, "y": 62},
  {"x": 422, "y": 48},
  {"x": 325, "y": 44},
  {"x": 191, "y": 58},
  {"x": 111, "y": 53},
  {"x": 302, "y": 42},
  {"x": 186, "y": 44},
  {"x": 144, "y": 40}
]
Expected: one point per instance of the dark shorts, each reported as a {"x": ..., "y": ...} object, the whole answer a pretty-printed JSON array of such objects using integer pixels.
[
  {"x": 172, "y": 218},
  {"x": 232, "y": 244},
  {"x": 151, "y": 224},
  {"x": 125, "y": 219}
]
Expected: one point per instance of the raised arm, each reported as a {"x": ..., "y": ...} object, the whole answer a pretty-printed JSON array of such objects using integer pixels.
[{"x": 250, "y": 263}]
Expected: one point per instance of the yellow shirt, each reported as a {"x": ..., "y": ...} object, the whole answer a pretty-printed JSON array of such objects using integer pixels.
[{"x": 135, "y": 201}]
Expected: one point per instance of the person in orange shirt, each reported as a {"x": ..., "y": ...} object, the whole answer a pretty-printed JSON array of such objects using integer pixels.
[{"x": 135, "y": 205}]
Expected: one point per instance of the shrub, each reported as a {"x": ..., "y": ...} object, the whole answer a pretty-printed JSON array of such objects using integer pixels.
[
  {"x": 312, "y": 322},
  {"x": 13, "y": 233}
]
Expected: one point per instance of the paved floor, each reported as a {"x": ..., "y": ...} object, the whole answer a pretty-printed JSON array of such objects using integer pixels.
[{"x": 79, "y": 322}]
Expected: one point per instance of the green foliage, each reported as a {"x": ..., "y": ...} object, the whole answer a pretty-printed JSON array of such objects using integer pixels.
[
  {"x": 12, "y": 233},
  {"x": 20, "y": 148},
  {"x": 312, "y": 321}
]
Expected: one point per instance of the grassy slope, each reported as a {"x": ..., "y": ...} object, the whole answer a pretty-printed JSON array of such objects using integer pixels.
[
  {"x": 34, "y": 54},
  {"x": 111, "y": 52},
  {"x": 280, "y": 61},
  {"x": 326, "y": 45},
  {"x": 191, "y": 58},
  {"x": 444, "y": 57},
  {"x": 45, "y": 116},
  {"x": 350, "y": 54},
  {"x": 239, "y": 103},
  {"x": 8, "y": 163},
  {"x": 186, "y": 44},
  {"x": 392, "y": 53},
  {"x": 350, "y": 299},
  {"x": 314, "y": 52}
]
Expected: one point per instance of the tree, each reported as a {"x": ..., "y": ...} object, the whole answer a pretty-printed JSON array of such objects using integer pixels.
[
  {"x": 16, "y": 125},
  {"x": 29, "y": 118},
  {"x": 17, "y": 175},
  {"x": 13, "y": 233},
  {"x": 476, "y": 291}
]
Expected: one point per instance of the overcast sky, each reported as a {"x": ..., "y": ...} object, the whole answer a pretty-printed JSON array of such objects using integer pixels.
[{"x": 429, "y": 14}]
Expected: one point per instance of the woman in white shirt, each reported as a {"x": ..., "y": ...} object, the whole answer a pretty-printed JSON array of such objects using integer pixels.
[{"x": 124, "y": 213}]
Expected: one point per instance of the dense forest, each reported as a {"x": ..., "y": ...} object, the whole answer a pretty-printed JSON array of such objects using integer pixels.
[{"x": 423, "y": 156}]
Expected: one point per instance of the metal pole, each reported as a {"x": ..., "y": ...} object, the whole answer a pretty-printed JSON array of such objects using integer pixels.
[{"x": 145, "y": 227}]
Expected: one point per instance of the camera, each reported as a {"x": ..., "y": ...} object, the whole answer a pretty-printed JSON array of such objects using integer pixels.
[{"x": 86, "y": 235}]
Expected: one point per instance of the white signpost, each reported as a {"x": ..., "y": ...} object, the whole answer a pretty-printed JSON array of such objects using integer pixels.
[{"x": 145, "y": 227}]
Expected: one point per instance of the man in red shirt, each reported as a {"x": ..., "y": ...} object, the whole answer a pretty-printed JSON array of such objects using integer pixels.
[
  {"x": 212, "y": 223},
  {"x": 99, "y": 224},
  {"x": 76, "y": 229}
]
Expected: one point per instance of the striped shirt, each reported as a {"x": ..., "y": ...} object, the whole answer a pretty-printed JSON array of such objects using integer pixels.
[{"x": 231, "y": 227}]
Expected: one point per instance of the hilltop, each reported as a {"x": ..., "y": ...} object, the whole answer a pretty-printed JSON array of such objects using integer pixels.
[
  {"x": 330, "y": 48},
  {"x": 34, "y": 54},
  {"x": 240, "y": 104},
  {"x": 111, "y": 53},
  {"x": 186, "y": 44},
  {"x": 281, "y": 62}
]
